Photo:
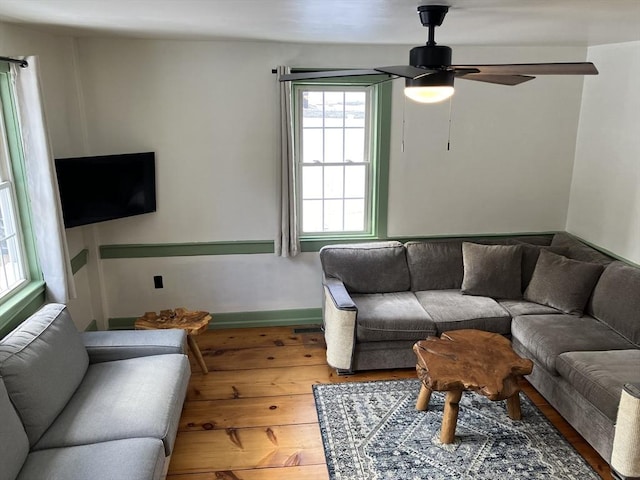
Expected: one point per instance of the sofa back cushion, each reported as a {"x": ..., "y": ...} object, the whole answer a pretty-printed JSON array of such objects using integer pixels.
[
  {"x": 14, "y": 445},
  {"x": 378, "y": 267},
  {"x": 42, "y": 362},
  {"x": 435, "y": 265},
  {"x": 577, "y": 250},
  {"x": 616, "y": 300}
]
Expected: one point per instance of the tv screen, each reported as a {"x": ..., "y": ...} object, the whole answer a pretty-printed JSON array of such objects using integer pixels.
[{"x": 95, "y": 189}]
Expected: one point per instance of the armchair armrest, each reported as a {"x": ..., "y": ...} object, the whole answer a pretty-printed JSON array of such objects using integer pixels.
[{"x": 122, "y": 344}]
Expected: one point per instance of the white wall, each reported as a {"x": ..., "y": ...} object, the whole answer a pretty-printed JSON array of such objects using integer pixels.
[
  {"x": 605, "y": 200},
  {"x": 62, "y": 109},
  {"x": 209, "y": 111}
]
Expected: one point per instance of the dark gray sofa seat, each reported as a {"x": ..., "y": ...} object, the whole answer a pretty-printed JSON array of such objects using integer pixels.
[
  {"x": 546, "y": 336},
  {"x": 600, "y": 376},
  {"x": 391, "y": 316},
  {"x": 451, "y": 310}
]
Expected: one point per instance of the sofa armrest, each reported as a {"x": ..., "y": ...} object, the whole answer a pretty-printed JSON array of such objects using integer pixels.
[
  {"x": 122, "y": 344},
  {"x": 625, "y": 457},
  {"x": 338, "y": 293},
  {"x": 339, "y": 327}
]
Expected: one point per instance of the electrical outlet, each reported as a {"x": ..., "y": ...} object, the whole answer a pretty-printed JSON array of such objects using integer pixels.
[{"x": 157, "y": 281}]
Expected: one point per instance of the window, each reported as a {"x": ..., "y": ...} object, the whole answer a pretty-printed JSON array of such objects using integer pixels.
[
  {"x": 341, "y": 138},
  {"x": 18, "y": 265}
]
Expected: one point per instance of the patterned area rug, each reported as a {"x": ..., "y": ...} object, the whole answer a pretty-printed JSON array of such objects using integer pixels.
[{"x": 372, "y": 430}]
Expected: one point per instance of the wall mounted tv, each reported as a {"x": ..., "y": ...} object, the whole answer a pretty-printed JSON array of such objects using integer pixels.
[{"x": 95, "y": 189}]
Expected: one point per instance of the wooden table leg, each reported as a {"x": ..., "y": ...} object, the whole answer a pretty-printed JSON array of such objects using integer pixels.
[
  {"x": 196, "y": 351},
  {"x": 450, "y": 417},
  {"x": 513, "y": 407},
  {"x": 423, "y": 398}
]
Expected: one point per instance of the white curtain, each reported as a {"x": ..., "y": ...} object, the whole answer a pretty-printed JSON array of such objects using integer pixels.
[
  {"x": 47, "y": 223},
  {"x": 287, "y": 242}
]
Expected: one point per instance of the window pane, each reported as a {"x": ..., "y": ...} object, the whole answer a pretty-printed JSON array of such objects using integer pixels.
[
  {"x": 311, "y": 182},
  {"x": 312, "y": 109},
  {"x": 355, "y": 105},
  {"x": 354, "y": 215},
  {"x": 334, "y": 109},
  {"x": 333, "y": 182},
  {"x": 333, "y": 145},
  {"x": 354, "y": 145},
  {"x": 11, "y": 267},
  {"x": 354, "y": 181},
  {"x": 333, "y": 216},
  {"x": 312, "y": 145},
  {"x": 312, "y": 216}
]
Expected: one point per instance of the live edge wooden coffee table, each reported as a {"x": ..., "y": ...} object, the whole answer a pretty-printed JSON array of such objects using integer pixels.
[
  {"x": 193, "y": 322},
  {"x": 474, "y": 360}
]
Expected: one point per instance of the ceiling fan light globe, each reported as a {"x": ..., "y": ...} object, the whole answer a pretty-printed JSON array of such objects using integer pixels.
[{"x": 428, "y": 94}]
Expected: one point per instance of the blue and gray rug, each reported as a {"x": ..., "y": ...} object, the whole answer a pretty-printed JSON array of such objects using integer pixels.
[{"x": 372, "y": 431}]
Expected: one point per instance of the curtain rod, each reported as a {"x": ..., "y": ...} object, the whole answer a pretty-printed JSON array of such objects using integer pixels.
[{"x": 22, "y": 63}]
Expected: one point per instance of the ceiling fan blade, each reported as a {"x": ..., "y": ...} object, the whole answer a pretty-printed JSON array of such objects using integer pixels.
[
  {"x": 288, "y": 77},
  {"x": 498, "y": 79},
  {"x": 577, "y": 68},
  {"x": 406, "y": 71}
]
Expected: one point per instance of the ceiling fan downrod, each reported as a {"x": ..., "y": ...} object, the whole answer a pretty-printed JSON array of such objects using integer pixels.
[
  {"x": 431, "y": 17},
  {"x": 431, "y": 55}
]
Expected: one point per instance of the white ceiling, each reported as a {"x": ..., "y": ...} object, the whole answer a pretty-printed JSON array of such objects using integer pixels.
[{"x": 469, "y": 22}]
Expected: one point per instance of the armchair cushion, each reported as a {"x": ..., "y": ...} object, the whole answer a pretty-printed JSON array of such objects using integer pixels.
[
  {"x": 14, "y": 444},
  {"x": 123, "y": 344},
  {"x": 42, "y": 362}
]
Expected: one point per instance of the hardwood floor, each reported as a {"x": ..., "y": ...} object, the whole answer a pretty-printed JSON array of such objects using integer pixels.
[{"x": 253, "y": 416}]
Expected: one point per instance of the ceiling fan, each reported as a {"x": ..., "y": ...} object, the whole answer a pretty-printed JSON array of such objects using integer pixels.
[{"x": 429, "y": 76}]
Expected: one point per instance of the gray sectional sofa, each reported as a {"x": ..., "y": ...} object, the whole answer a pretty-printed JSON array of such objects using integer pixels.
[
  {"x": 571, "y": 309},
  {"x": 98, "y": 405}
]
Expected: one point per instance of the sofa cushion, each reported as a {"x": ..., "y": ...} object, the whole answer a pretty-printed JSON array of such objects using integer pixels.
[
  {"x": 14, "y": 444},
  {"x": 616, "y": 300},
  {"x": 562, "y": 283},
  {"x": 435, "y": 265},
  {"x": 451, "y": 310},
  {"x": 524, "y": 307},
  {"x": 378, "y": 267},
  {"x": 122, "y": 344},
  {"x": 600, "y": 376},
  {"x": 391, "y": 316},
  {"x": 547, "y": 336},
  {"x": 42, "y": 363},
  {"x": 137, "y": 397},
  {"x": 530, "y": 254},
  {"x": 579, "y": 251},
  {"x": 130, "y": 459},
  {"x": 492, "y": 270}
]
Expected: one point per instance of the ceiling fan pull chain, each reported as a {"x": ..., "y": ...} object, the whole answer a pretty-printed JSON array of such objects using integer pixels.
[
  {"x": 449, "y": 133},
  {"x": 404, "y": 107}
]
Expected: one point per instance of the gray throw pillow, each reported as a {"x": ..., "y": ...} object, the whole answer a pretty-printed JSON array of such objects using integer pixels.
[
  {"x": 562, "y": 283},
  {"x": 530, "y": 255},
  {"x": 492, "y": 270}
]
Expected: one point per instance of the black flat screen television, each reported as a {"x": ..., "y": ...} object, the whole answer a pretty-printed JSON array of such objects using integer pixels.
[{"x": 95, "y": 189}]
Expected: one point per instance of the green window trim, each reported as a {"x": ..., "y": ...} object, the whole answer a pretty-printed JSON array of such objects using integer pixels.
[
  {"x": 381, "y": 152},
  {"x": 24, "y": 301}
]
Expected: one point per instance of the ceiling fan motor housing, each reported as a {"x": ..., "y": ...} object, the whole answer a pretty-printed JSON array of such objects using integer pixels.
[{"x": 431, "y": 56}]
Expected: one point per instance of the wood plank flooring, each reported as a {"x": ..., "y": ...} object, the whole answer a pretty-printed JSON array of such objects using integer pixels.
[{"x": 253, "y": 416}]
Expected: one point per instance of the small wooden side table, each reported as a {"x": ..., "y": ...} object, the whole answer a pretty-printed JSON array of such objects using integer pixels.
[
  {"x": 194, "y": 322},
  {"x": 469, "y": 359}
]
